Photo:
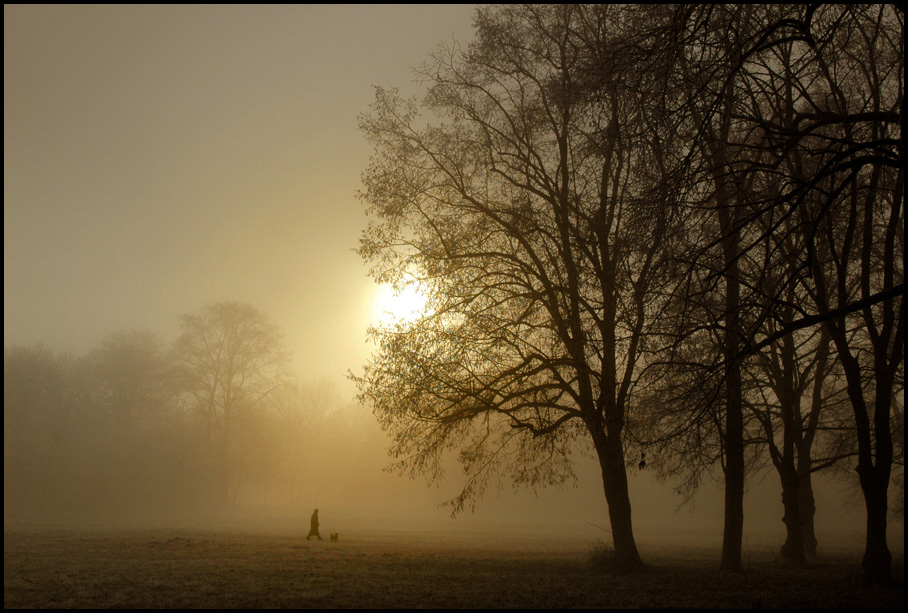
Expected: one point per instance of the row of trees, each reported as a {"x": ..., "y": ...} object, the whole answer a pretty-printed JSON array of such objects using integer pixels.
[
  {"x": 676, "y": 229},
  {"x": 138, "y": 425}
]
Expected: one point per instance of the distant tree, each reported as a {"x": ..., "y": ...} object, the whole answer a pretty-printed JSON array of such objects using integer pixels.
[
  {"x": 232, "y": 360},
  {"x": 43, "y": 427},
  {"x": 132, "y": 391},
  {"x": 131, "y": 375},
  {"x": 299, "y": 411}
]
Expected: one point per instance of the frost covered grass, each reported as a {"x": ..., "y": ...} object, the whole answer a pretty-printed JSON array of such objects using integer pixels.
[{"x": 169, "y": 568}]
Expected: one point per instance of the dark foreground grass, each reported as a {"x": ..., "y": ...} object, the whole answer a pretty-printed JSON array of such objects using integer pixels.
[{"x": 199, "y": 569}]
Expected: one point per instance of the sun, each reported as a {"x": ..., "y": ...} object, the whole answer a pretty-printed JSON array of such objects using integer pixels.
[{"x": 402, "y": 306}]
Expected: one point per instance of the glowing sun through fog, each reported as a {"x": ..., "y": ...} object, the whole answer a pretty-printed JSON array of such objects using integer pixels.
[{"x": 390, "y": 306}]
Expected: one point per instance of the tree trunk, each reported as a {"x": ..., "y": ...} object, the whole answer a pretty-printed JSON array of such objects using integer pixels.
[
  {"x": 874, "y": 479},
  {"x": 808, "y": 510},
  {"x": 877, "y": 562},
  {"x": 805, "y": 462},
  {"x": 793, "y": 548},
  {"x": 733, "y": 533},
  {"x": 614, "y": 480},
  {"x": 792, "y": 433}
]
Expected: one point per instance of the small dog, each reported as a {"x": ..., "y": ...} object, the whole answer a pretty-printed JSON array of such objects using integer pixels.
[{"x": 333, "y": 537}]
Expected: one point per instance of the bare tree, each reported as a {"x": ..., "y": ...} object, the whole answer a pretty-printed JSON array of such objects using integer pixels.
[
  {"x": 132, "y": 392},
  {"x": 300, "y": 412},
  {"x": 520, "y": 217},
  {"x": 837, "y": 148},
  {"x": 40, "y": 426},
  {"x": 795, "y": 392},
  {"x": 796, "y": 111},
  {"x": 700, "y": 50},
  {"x": 232, "y": 359}
]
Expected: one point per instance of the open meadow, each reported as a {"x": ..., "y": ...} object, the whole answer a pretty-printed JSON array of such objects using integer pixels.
[{"x": 245, "y": 568}]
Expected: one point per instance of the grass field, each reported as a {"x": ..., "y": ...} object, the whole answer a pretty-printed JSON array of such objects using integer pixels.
[{"x": 228, "y": 568}]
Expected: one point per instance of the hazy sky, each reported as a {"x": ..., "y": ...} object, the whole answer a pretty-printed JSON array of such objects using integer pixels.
[{"x": 160, "y": 158}]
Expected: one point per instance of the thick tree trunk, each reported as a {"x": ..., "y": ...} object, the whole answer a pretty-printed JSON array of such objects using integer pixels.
[
  {"x": 793, "y": 548},
  {"x": 733, "y": 532},
  {"x": 877, "y": 562},
  {"x": 874, "y": 478},
  {"x": 808, "y": 509},
  {"x": 792, "y": 445},
  {"x": 614, "y": 480}
]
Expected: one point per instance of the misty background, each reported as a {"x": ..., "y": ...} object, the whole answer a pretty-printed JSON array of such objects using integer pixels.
[{"x": 161, "y": 159}]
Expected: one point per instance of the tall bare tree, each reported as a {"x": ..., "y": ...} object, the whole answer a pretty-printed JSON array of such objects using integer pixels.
[
  {"x": 796, "y": 112},
  {"x": 232, "y": 358},
  {"x": 520, "y": 217},
  {"x": 836, "y": 144}
]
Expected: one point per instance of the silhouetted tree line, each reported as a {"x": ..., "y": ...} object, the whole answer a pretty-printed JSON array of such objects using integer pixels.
[
  {"x": 139, "y": 426},
  {"x": 671, "y": 230}
]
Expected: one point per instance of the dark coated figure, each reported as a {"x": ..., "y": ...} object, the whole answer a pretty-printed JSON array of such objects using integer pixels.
[{"x": 313, "y": 526}]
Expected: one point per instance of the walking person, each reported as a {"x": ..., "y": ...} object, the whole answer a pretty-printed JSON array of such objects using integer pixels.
[{"x": 313, "y": 526}]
